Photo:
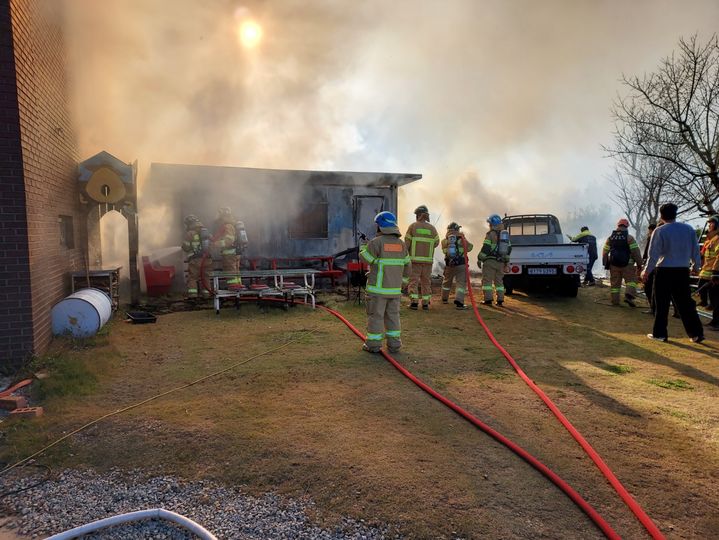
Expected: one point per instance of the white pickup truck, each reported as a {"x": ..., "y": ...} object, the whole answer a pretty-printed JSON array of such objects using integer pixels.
[{"x": 540, "y": 259}]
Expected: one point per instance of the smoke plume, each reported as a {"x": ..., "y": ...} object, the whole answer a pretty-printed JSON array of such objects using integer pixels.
[{"x": 501, "y": 105}]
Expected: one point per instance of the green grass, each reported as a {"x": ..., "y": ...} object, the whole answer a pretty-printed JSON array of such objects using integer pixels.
[
  {"x": 619, "y": 369},
  {"x": 70, "y": 375},
  {"x": 671, "y": 384}
]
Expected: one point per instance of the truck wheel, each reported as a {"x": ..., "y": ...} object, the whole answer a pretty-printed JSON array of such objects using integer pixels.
[{"x": 570, "y": 287}]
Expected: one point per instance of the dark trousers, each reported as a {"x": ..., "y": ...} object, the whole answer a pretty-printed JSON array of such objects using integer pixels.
[
  {"x": 672, "y": 285},
  {"x": 714, "y": 301},
  {"x": 649, "y": 290},
  {"x": 703, "y": 286},
  {"x": 589, "y": 278}
]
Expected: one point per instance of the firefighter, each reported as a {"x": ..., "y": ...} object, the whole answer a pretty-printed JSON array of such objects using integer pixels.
[
  {"x": 390, "y": 267},
  {"x": 421, "y": 240},
  {"x": 225, "y": 240},
  {"x": 493, "y": 258},
  {"x": 195, "y": 245},
  {"x": 586, "y": 237},
  {"x": 453, "y": 247},
  {"x": 709, "y": 274},
  {"x": 621, "y": 256}
]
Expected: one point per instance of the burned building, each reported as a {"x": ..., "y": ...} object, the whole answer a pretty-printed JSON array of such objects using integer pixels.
[{"x": 288, "y": 214}]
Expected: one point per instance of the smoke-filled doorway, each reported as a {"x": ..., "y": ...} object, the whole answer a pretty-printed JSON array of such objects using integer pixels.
[
  {"x": 115, "y": 248},
  {"x": 365, "y": 209}
]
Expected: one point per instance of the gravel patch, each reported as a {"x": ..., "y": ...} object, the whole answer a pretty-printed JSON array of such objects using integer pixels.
[{"x": 72, "y": 498}]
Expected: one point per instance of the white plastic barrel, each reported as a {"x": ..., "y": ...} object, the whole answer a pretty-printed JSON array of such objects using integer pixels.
[{"x": 81, "y": 314}]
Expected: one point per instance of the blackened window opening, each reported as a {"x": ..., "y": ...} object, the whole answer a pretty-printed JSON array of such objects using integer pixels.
[
  {"x": 67, "y": 234},
  {"x": 312, "y": 222}
]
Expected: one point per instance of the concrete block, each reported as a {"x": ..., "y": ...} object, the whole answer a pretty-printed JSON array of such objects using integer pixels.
[
  {"x": 26, "y": 412},
  {"x": 10, "y": 403}
]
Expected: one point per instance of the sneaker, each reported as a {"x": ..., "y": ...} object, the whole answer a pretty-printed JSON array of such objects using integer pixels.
[
  {"x": 425, "y": 307},
  {"x": 487, "y": 302},
  {"x": 590, "y": 284},
  {"x": 414, "y": 306},
  {"x": 697, "y": 339},
  {"x": 367, "y": 349},
  {"x": 500, "y": 303},
  {"x": 648, "y": 312},
  {"x": 629, "y": 300},
  {"x": 657, "y": 338}
]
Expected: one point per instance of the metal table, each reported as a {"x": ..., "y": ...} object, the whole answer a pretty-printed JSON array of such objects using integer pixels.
[
  {"x": 107, "y": 280},
  {"x": 278, "y": 288}
]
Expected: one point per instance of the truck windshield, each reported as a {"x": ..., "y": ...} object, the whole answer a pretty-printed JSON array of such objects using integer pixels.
[{"x": 532, "y": 226}]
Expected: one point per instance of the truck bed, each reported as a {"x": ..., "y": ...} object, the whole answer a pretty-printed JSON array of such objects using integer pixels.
[{"x": 540, "y": 254}]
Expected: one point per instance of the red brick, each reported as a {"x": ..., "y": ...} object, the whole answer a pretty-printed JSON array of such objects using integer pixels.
[
  {"x": 27, "y": 412},
  {"x": 12, "y": 402}
]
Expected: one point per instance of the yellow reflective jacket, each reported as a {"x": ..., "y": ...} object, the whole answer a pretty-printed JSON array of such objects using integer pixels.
[
  {"x": 389, "y": 265},
  {"x": 421, "y": 239},
  {"x": 710, "y": 250}
]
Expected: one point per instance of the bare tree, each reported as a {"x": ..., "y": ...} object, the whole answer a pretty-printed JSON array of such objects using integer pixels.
[
  {"x": 672, "y": 116},
  {"x": 643, "y": 184}
]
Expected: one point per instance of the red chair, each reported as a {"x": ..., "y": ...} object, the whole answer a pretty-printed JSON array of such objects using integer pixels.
[{"x": 158, "y": 278}]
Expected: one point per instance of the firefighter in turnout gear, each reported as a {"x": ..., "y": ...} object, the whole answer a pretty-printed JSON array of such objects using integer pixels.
[
  {"x": 225, "y": 240},
  {"x": 620, "y": 255},
  {"x": 421, "y": 238},
  {"x": 709, "y": 274},
  {"x": 195, "y": 244},
  {"x": 390, "y": 267},
  {"x": 455, "y": 264},
  {"x": 493, "y": 258},
  {"x": 586, "y": 237}
]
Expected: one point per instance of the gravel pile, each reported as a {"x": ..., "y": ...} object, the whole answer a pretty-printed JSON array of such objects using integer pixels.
[{"x": 73, "y": 498}]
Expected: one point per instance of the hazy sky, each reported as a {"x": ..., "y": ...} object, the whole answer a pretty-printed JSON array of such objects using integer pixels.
[{"x": 502, "y": 105}]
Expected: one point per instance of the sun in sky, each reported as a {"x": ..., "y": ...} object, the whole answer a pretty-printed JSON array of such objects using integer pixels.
[{"x": 249, "y": 33}]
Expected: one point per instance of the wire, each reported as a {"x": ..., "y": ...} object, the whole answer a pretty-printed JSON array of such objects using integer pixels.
[
  {"x": 36, "y": 484},
  {"x": 129, "y": 407}
]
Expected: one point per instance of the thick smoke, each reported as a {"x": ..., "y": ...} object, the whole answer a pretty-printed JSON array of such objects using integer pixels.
[{"x": 501, "y": 105}]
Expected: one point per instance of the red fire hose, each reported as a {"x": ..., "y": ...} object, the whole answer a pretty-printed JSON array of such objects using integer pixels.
[
  {"x": 598, "y": 520},
  {"x": 9, "y": 390},
  {"x": 633, "y": 505}
]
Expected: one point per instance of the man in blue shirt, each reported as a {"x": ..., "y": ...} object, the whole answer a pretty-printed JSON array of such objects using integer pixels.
[{"x": 672, "y": 249}]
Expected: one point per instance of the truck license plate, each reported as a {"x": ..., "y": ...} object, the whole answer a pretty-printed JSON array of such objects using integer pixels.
[{"x": 542, "y": 271}]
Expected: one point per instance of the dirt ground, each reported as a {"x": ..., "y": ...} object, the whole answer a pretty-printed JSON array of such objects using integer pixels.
[{"x": 322, "y": 419}]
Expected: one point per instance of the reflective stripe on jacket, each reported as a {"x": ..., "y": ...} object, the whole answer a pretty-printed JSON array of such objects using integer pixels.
[
  {"x": 389, "y": 263},
  {"x": 711, "y": 257},
  {"x": 635, "y": 255},
  {"x": 489, "y": 247},
  {"x": 192, "y": 243},
  {"x": 227, "y": 239},
  {"x": 421, "y": 239}
]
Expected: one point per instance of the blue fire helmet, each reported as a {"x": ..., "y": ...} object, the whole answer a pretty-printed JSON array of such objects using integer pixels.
[
  {"x": 494, "y": 220},
  {"x": 385, "y": 220}
]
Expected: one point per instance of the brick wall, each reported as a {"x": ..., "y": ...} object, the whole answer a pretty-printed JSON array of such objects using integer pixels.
[
  {"x": 16, "y": 337},
  {"x": 49, "y": 158}
]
